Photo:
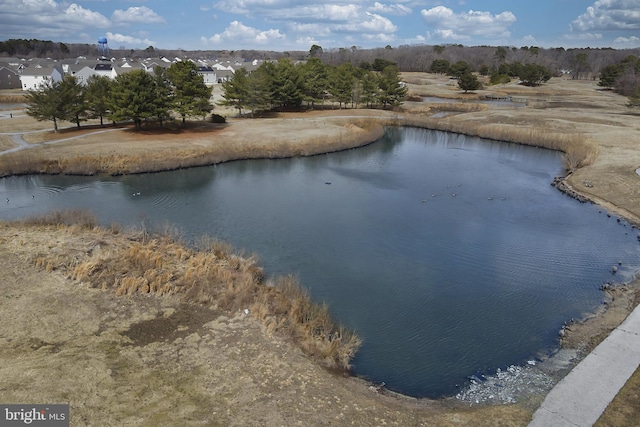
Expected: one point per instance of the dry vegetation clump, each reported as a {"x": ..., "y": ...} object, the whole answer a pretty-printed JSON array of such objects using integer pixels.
[
  {"x": 12, "y": 98},
  {"x": 287, "y": 307},
  {"x": 579, "y": 151},
  {"x": 459, "y": 107},
  {"x": 72, "y": 217},
  {"x": 136, "y": 262}
]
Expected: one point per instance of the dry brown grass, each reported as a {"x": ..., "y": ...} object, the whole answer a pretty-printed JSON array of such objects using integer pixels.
[
  {"x": 212, "y": 273},
  {"x": 73, "y": 217},
  {"x": 287, "y": 307},
  {"x": 68, "y": 158},
  {"x": 624, "y": 410},
  {"x": 458, "y": 107},
  {"x": 6, "y": 142},
  {"x": 12, "y": 97},
  {"x": 578, "y": 149}
]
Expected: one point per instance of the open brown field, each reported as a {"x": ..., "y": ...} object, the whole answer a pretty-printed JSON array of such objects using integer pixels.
[{"x": 64, "y": 341}]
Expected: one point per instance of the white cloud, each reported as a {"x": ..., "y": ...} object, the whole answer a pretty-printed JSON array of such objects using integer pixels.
[
  {"x": 607, "y": 15},
  {"x": 445, "y": 24},
  {"x": 136, "y": 15},
  {"x": 245, "y": 7},
  {"x": 320, "y": 13},
  {"x": 583, "y": 37},
  {"x": 47, "y": 19},
  {"x": 238, "y": 34},
  {"x": 392, "y": 9},
  {"x": 316, "y": 29},
  {"x": 303, "y": 18},
  {"x": 128, "y": 41},
  {"x": 627, "y": 40}
]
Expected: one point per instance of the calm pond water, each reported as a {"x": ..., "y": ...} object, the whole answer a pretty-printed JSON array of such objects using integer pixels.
[{"x": 449, "y": 255}]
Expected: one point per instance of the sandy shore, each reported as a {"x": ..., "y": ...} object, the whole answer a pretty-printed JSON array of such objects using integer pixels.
[{"x": 64, "y": 342}]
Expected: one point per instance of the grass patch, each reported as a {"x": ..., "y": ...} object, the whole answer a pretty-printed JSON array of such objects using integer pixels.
[
  {"x": 458, "y": 107},
  {"x": 287, "y": 307},
  {"x": 6, "y": 142},
  {"x": 120, "y": 161},
  {"x": 211, "y": 273},
  {"x": 579, "y": 151},
  {"x": 624, "y": 410},
  {"x": 12, "y": 98}
]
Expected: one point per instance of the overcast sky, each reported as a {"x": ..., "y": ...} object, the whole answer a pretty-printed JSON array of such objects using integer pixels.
[{"x": 282, "y": 25}]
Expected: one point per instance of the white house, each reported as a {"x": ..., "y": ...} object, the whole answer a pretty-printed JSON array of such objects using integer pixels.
[
  {"x": 105, "y": 69},
  {"x": 209, "y": 75},
  {"x": 34, "y": 78},
  {"x": 83, "y": 75}
]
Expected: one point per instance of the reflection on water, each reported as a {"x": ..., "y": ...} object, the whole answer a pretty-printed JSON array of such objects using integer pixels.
[{"x": 451, "y": 256}]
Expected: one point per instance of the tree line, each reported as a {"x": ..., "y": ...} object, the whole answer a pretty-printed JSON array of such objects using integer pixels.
[
  {"x": 137, "y": 96},
  {"x": 287, "y": 85},
  {"x": 624, "y": 78}
]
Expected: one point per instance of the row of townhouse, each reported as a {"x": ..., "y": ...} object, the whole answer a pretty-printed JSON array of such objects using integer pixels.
[{"x": 30, "y": 75}]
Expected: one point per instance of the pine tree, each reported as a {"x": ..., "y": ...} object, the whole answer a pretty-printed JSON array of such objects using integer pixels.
[
  {"x": 235, "y": 90},
  {"x": 190, "y": 95},
  {"x": 369, "y": 88},
  {"x": 97, "y": 96},
  {"x": 341, "y": 86},
  {"x": 74, "y": 94},
  {"x": 392, "y": 90},
  {"x": 468, "y": 81},
  {"x": 258, "y": 97},
  {"x": 315, "y": 79},
  {"x": 287, "y": 88},
  {"x": 49, "y": 102},
  {"x": 164, "y": 95},
  {"x": 133, "y": 97}
]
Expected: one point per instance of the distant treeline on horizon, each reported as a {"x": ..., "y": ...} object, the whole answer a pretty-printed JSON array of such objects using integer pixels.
[{"x": 407, "y": 58}]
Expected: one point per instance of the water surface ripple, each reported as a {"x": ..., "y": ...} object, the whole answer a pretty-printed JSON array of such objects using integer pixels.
[{"x": 450, "y": 255}]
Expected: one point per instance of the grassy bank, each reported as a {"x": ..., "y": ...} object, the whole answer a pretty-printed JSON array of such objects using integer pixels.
[
  {"x": 578, "y": 150},
  {"x": 77, "y": 158},
  {"x": 135, "y": 262}
]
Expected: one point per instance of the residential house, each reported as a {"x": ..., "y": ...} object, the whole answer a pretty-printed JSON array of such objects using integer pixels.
[
  {"x": 83, "y": 75},
  {"x": 224, "y": 75},
  {"x": 106, "y": 69},
  {"x": 209, "y": 75},
  {"x": 34, "y": 77},
  {"x": 9, "y": 78}
]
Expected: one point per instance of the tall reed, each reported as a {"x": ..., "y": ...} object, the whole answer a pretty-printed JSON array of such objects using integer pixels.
[{"x": 139, "y": 262}]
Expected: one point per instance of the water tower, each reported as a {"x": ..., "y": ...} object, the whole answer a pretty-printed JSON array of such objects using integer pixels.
[{"x": 103, "y": 49}]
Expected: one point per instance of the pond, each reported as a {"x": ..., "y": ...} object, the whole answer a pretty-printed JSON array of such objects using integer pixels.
[{"x": 449, "y": 255}]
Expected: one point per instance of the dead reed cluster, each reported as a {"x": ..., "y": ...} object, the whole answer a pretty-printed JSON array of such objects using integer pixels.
[
  {"x": 579, "y": 150},
  {"x": 210, "y": 272},
  {"x": 12, "y": 98},
  {"x": 458, "y": 107},
  {"x": 287, "y": 307}
]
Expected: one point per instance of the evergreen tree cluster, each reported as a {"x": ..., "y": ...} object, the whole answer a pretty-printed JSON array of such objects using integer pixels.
[
  {"x": 34, "y": 47},
  {"x": 623, "y": 77},
  {"x": 285, "y": 85},
  {"x": 137, "y": 96},
  {"x": 531, "y": 74}
]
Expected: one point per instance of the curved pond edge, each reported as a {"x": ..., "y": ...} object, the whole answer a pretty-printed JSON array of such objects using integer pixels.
[{"x": 375, "y": 131}]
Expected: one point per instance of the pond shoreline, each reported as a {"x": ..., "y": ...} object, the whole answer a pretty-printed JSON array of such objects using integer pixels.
[{"x": 350, "y": 130}]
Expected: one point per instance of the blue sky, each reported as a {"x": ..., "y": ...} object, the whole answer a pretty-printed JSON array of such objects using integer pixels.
[{"x": 282, "y": 25}]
